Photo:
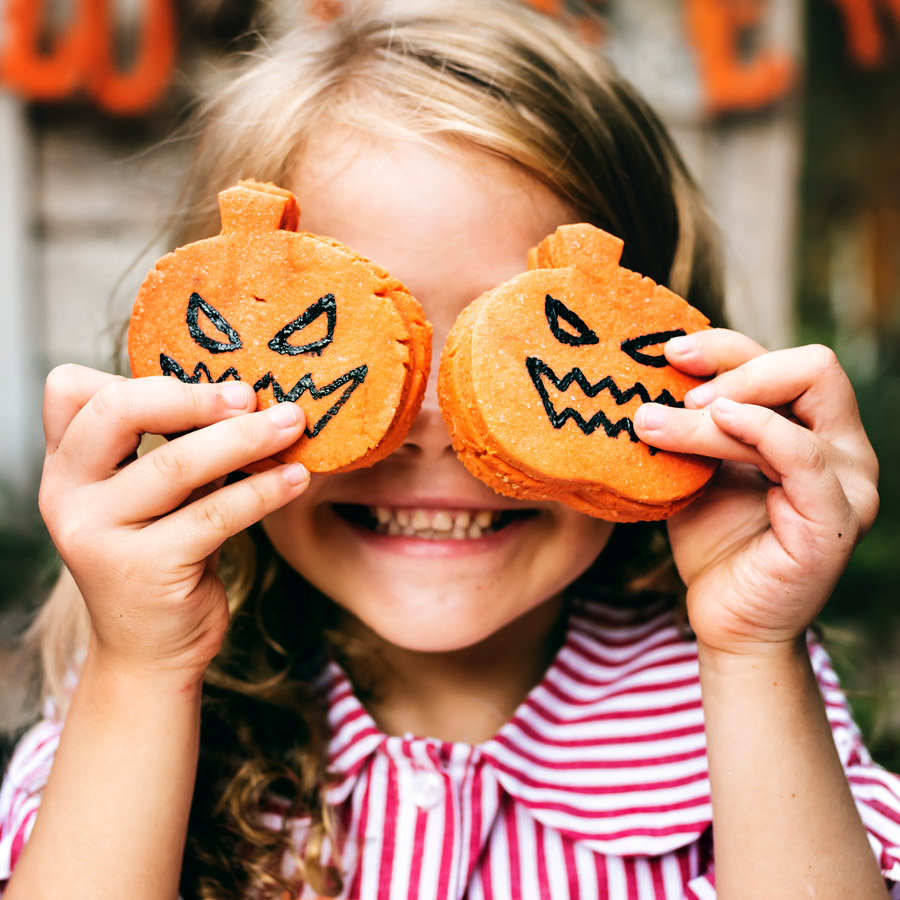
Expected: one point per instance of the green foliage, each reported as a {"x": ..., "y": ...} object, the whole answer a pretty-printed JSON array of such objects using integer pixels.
[
  {"x": 848, "y": 296},
  {"x": 29, "y": 564}
]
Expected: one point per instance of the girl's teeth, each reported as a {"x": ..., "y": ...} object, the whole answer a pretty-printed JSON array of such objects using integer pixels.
[
  {"x": 434, "y": 524},
  {"x": 442, "y": 521}
]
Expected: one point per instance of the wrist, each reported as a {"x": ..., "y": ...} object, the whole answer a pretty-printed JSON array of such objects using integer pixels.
[
  {"x": 752, "y": 656},
  {"x": 117, "y": 676}
]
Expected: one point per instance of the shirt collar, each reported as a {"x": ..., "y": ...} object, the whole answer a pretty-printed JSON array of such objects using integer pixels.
[{"x": 609, "y": 748}]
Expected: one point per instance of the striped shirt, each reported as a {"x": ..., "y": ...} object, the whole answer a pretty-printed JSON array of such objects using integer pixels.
[{"x": 597, "y": 787}]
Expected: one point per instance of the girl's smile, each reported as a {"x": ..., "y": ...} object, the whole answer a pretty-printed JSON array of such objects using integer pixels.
[
  {"x": 450, "y": 530},
  {"x": 424, "y": 554}
]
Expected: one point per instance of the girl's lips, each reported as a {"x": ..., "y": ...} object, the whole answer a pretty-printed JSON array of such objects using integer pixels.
[{"x": 432, "y": 530}]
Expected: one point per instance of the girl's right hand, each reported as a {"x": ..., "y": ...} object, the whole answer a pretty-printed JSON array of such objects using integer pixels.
[{"x": 141, "y": 535}]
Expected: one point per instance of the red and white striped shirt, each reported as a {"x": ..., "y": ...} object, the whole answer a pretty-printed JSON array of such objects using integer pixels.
[{"x": 596, "y": 788}]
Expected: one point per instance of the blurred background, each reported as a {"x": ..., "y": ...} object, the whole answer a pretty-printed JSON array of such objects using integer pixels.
[{"x": 788, "y": 112}]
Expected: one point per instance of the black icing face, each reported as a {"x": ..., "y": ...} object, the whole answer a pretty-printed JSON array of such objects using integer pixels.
[
  {"x": 212, "y": 332},
  {"x": 571, "y": 331}
]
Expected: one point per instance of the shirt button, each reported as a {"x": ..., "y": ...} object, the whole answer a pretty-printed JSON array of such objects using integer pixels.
[{"x": 427, "y": 789}]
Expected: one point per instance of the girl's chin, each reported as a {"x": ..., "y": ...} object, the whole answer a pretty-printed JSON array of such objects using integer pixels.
[{"x": 427, "y": 623}]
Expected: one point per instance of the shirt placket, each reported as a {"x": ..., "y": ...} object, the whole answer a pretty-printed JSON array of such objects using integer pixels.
[{"x": 426, "y": 834}]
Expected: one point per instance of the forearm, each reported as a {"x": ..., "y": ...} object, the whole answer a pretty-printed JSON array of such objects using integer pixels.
[
  {"x": 784, "y": 821},
  {"x": 113, "y": 818}
]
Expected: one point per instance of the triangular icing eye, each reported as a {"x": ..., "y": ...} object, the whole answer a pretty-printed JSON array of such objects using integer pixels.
[
  {"x": 196, "y": 305},
  {"x": 555, "y": 310},
  {"x": 633, "y": 346},
  {"x": 326, "y": 305}
]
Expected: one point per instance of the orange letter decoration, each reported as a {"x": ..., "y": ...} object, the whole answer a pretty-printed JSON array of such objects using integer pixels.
[
  {"x": 730, "y": 83},
  {"x": 135, "y": 90},
  {"x": 550, "y": 7},
  {"x": 82, "y": 57},
  {"x": 44, "y": 76},
  {"x": 864, "y": 38}
]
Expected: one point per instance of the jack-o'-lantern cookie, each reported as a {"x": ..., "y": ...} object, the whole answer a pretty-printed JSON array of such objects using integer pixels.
[
  {"x": 298, "y": 316},
  {"x": 540, "y": 379}
]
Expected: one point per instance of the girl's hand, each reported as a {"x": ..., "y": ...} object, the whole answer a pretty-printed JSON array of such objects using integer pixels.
[
  {"x": 762, "y": 548},
  {"x": 141, "y": 535}
]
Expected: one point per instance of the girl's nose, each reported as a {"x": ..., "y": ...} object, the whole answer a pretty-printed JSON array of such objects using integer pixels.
[{"x": 429, "y": 433}]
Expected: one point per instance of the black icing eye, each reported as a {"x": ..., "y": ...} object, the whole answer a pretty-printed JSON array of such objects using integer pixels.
[
  {"x": 196, "y": 305},
  {"x": 555, "y": 310},
  {"x": 633, "y": 346},
  {"x": 326, "y": 305}
]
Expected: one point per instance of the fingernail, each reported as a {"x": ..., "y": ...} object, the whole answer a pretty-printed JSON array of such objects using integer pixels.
[
  {"x": 234, "y": 395},
  {"x": 726, "y": 406},
  {"x": 681, "y": 346},
  {"x": 701, "y": 396},
  {"x": 284, "y": 415},
  {"x": 294, "y": 473},
  {"x": 652, "y": 416}
]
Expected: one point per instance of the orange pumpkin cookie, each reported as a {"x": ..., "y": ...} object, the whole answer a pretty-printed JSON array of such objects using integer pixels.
[
  {"x": 300, "y": 317},
  {"x": 541, "y": 376}
]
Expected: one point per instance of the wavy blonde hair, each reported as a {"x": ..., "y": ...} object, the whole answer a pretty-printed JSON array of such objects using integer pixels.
[{"x": 505, "y": 79}]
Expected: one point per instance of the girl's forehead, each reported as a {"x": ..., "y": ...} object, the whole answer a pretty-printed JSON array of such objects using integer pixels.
[{"x": 445, "y": 217}]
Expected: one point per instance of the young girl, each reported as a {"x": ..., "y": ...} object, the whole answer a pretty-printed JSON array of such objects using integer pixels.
[{"x": 500, "y": 700}]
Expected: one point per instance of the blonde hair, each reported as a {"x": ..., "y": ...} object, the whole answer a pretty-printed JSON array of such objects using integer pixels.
[
  {"x": 495, "y": 74},
  {"x": 505, "y": 79}
]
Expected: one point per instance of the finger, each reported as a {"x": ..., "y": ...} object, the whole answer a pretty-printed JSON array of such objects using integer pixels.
[
  {"x": 810, "y": 484},
  {"x": 809, "y": 380},
  {"x": 67, "y": 389},
  {"x": 109, "y": 426},
  {"x": 694, "y": 431},
  {"x": 202, "y": 526},
  {"x": 711, "y": 352},
  {"x": 166, "y": 477}
]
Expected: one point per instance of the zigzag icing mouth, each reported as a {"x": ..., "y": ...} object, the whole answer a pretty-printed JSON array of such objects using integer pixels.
[
  {"x": 353, "y": 379},
  {"x": 542, "y": 375}
]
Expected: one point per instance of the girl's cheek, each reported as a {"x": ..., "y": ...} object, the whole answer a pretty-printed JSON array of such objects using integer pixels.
[{"x": 570, "y": 543}]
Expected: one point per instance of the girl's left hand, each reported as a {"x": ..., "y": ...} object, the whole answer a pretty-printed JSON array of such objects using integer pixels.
[{"x": 761, "y": 550}]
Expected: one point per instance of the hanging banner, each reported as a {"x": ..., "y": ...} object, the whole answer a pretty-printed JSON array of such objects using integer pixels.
[
  {"x": 715, "y": 34},
  {"x": 81, "y": 56},
  {"x": 737, "y": 66},
  {"x": 41, "y": 60}
]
